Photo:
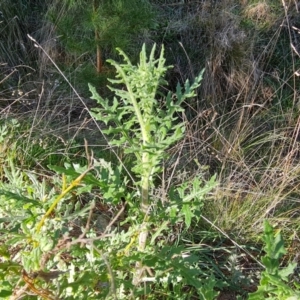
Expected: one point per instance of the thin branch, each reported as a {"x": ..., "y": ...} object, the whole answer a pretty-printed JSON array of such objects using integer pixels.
[
  {"x": 110, "y": 272},
  {"x": 83, "y": 240},
  {"x": 87, "y": 226},
  {"x": 234, "y": 242},
  {"x": 111, "y": 223}
]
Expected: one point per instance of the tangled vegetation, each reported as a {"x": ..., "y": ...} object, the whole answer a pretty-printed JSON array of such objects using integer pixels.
[{"x": 149, "y": 149}]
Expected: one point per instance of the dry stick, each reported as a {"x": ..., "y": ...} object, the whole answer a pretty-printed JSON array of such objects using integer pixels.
[
  {"x": 29, "y": 286},
  {"x": 235, "y": 243},
  {"x": 176, "y": 163},
  {"x": 110, "y": 272},
  {"x": 17, "y": 295},
  {"x": 35, "y": 116},
  {"x": 7, "y": 76},
  {"x": 189, "y": 61},
  {"x": 111, "y": 223},
  {"x": 64, "y": 242},
  {"x": 81, "y": 238},
  {"x": 87, "y": 225}
]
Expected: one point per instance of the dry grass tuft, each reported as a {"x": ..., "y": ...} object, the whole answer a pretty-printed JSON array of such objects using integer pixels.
[
  {"x": 260, "y": 13},
  {"x": 245, "y": 125}
]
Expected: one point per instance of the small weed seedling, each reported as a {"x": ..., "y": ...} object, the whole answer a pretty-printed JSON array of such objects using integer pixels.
[{"x": 274, "y": 280}]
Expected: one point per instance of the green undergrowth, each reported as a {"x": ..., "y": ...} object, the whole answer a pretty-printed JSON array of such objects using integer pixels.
[
  {"x": 84, "y": 232},
  {"x": 105, "y": 224},
  {"x": 28, "y": 148},
  {"x": 275, "y": 281}
]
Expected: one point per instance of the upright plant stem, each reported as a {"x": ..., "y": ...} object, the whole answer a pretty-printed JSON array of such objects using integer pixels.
[
  {"x": 144, "y": 203},
  {"x": 97, "y": 40},
  {"x": 99, "y": 58},
  {"x": 143, "y": 235}
]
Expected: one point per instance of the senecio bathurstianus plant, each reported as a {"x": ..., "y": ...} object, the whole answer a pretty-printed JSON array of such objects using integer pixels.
[{"x": 137, "y": 122}]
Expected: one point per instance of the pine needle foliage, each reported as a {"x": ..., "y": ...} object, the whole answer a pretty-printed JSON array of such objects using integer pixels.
[{"x": 100, "y": 26}]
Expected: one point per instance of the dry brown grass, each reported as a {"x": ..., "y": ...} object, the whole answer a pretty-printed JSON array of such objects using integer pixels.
[
  {"x": 241, "y": 126},
  {"x": 260, "y": 13}
]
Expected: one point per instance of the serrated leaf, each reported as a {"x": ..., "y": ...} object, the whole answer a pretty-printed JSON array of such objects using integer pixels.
[
  {"x": 16, "y": 239},
  {"x": 188, "y": 214},
  {"x": 206, "y": 291},
  {"x": 287, "y": 271},
  {"x": 162, "y": 227},
  {"x": 20, "y": 198}
]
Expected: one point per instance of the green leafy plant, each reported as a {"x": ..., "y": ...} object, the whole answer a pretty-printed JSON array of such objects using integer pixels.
[
  {"x": 43, "y": 254},
  {"x": 140, "y": 122},
  {"x": 274, "y": 280}
]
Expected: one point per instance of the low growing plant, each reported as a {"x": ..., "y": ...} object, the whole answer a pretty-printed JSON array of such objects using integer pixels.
[{"x": 274, "y": 281}]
